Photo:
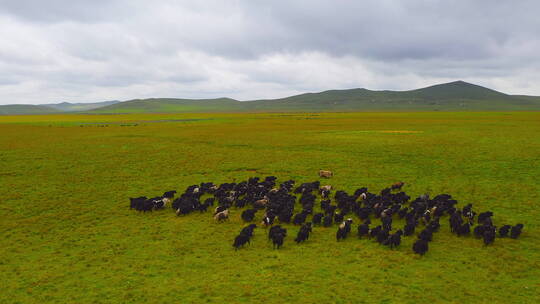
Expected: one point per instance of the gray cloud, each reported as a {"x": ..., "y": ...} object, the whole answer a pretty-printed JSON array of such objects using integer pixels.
[{"x": 118, "y": 49}]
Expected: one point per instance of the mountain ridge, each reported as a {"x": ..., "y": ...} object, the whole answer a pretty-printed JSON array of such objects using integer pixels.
[{"x": 452, "y": 96}]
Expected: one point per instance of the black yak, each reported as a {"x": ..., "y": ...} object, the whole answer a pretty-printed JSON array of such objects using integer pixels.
[
  {"x": 397, "y": 186},
  {"x": 420, "y": 247},
  {"x": 393, "y": 240},
  {"x": 303, "y": 233},
  {"x": 327, "y": 220},
  {"x": 240, "y": 241},
  {"x": 343, "y": 229},
  {"x": 248, "y": 230},
  {"x": 485, "y": 218},
  {"x": 363, "y": 229},
  {"x": 504, "y": 230},
  {"x": 317, "y": 218},
  {"x": 464, "y": 229},
  {"x": 300, "y": 218},
  {"x": 409, "y": 229},
  {"x": 248, "y": 215},
  {"x": 382, "y": 236},
  {"x": 277, "y": 235},
  {"x": 426, "y": 235},
  {"x": 516, "y": 231},
  {"x": 489, "y": 235}
]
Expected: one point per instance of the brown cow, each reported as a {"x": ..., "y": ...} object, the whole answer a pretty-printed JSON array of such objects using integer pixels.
[
  {"x": 325, "y": 173},
  {"x": 260, "y": 204}
]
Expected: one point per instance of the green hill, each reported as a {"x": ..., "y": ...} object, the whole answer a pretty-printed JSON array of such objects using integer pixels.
[{"x": 453, "y": 96}]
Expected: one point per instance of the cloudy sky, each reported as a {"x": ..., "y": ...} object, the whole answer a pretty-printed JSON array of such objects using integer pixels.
[{"x": 84, "y": 51}]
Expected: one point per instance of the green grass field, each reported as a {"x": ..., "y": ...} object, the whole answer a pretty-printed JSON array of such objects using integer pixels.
[{"x": 68, "y": 235}]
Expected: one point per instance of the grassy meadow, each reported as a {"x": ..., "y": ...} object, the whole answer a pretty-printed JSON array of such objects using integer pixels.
[{"x": 68, "y": 235}]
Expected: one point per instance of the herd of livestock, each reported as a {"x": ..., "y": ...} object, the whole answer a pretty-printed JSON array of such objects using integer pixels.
[{"x": 320, "y": 206}]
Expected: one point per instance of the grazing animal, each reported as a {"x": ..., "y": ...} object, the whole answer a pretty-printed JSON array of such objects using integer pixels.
[
  {"x": 268, "y": 220},
  {"x": 327, "y": 220},
  {"x": 277, "y": 240},
  {"x": 489, "y": 235},
  {"x": 260, "y": 204},
  {"x": 248, "y": 215},
  {"x": 338, "y": 217},
  {"x": 375, "y": 231},
  {"x": 300, "y": 218},
  {"x": 285, "y": 216},
  {"x": 169, "y": 194},
  {"x": 485, "y": 216},
  {"x": 409, "y": 229},
  {"x": 426, "y": 235},
  {"x": 203, "y": 207},
  {"x": 382, "y": 236},
  {"x": 325, "y": 173},
  {"x": 277, "y": 235},
  {"x": 516, "y": 231},
  {"x": 274, "y": 230},
  {"x": 434, "y": 225},
  {"x": 403, "y": 212},
  {"x": 137, "y": 203},
  {"x": 387, "y": 223},
  {"x": 222, "y": 216},
  {"x": 325, "y": 188},
  {"x": 303, "y": 233},
  {"x": 397, "y": 186},
  {"x": 317, "y": 218},
  {"x": 210, "y": 201},
  {"x": 363, "y": 229},
  {"x": 394, "y": 239},
  {"x": 420, "y": 247},
  {"x": 301, "y": 236},
  {"x": 456, "y": 221},
  {"x": 479, "y": 230},
  {"x": 248, "y": 230},
  {"x": 219, "y": 209},
  {"x": 343, "y": 230},
  {"x": 504, "y": 230},
  {"x": 240, "y": 241},
  {"x": 464, "y": 229}
]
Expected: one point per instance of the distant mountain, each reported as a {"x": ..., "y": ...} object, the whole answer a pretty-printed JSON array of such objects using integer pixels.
[
  {"x": 75, "y": 107},
  {"x": 164, "y": 105},
  {"x": 25, "y": 109},
  {"x": 18, "y": 109},
  {"x": 453, "y": 96}
]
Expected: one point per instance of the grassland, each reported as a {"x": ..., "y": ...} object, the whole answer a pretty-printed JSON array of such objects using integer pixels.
[{"x": 68, "y": 235}]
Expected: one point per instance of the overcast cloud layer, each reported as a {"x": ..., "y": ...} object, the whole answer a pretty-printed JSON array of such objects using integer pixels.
[{"x": 64, "y": 50}]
